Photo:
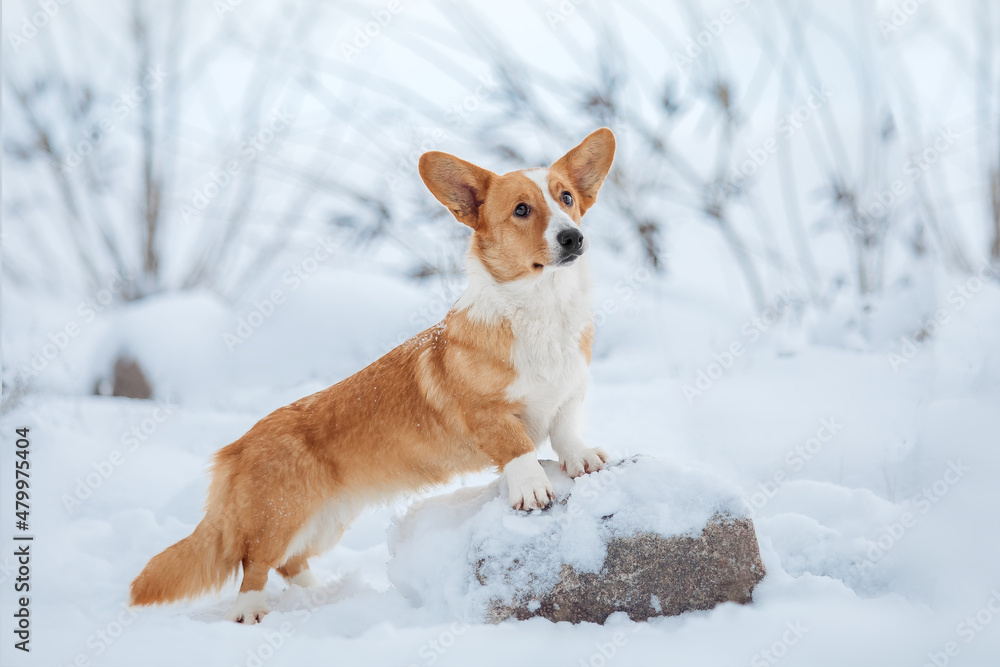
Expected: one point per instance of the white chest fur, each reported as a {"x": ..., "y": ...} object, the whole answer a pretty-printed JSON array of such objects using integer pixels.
[{"x": 548, "y": 316}]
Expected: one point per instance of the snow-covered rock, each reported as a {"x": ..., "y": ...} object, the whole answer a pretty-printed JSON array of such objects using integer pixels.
[{"x": 642, "y": 536}]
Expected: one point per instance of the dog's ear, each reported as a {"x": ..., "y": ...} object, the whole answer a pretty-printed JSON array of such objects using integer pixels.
[
  {"x": 459, "y": 185},
  {"x": 588, "y": 164}
]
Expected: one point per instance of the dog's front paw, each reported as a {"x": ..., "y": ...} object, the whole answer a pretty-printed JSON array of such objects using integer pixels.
[
  {"x": 250, "y": 608},
  {"x": 532, "y": 494},
  {"x": 527, "y": 484},
  {"x": 584, "y": 461}
]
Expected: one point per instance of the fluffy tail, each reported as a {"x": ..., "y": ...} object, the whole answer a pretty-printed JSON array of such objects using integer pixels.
[{"x": 201, "y": 562}]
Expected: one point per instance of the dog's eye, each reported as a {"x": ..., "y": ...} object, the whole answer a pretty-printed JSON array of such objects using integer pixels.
[
  {"x": 567, "y": 198},
  {"x": 521, "y": 211}
]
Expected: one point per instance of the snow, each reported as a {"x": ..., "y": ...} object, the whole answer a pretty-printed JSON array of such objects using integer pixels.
[
  {"x": 829, "y": 447},
  {"x": 868, "y": 459}
]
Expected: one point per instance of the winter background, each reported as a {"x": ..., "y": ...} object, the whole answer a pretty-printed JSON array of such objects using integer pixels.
[{"x": 796, "y": 260}]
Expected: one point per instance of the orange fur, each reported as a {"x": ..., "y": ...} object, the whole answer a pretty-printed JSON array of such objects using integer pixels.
[
  {"x": 586, "y": 340},
  {"x": 430, "y": 409},
  {"x": 201, "y": 562}
]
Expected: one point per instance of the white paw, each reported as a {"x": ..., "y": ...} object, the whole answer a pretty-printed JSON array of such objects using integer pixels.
[
  {"x": 249, "y": 608},
  {"x": 305, "y": 579},
  {"x": 527, "y": 484},
  {"x": 583, "y": 461}
]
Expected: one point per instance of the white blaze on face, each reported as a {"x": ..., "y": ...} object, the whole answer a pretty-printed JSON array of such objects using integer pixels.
[{"x": 559, "y": 219}]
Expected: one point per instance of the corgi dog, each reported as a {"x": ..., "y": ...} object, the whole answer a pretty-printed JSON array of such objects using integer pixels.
[{"x": 503, "y": 372}]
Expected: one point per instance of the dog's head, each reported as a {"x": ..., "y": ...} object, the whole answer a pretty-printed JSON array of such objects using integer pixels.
[{"x": 524, "y": 222}]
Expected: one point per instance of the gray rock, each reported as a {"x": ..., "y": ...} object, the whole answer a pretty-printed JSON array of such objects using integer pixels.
[
  {"x": 129, "y": 380},
  {"x": 648, "y": 575},
  {"x": 644, "y": 537}
]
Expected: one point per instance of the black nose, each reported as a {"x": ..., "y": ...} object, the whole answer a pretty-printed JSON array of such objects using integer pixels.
[{"x": 570, "y": 240}]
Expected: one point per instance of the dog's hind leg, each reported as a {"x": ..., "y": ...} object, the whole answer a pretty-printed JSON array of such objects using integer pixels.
[
  {"x": 296, "y": 571},
  {"x": 318, "y": 535},
  {"x": 251, "y": 603}
]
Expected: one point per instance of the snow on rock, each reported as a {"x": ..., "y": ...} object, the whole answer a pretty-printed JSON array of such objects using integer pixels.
[{"x": 642, "y": 536}]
